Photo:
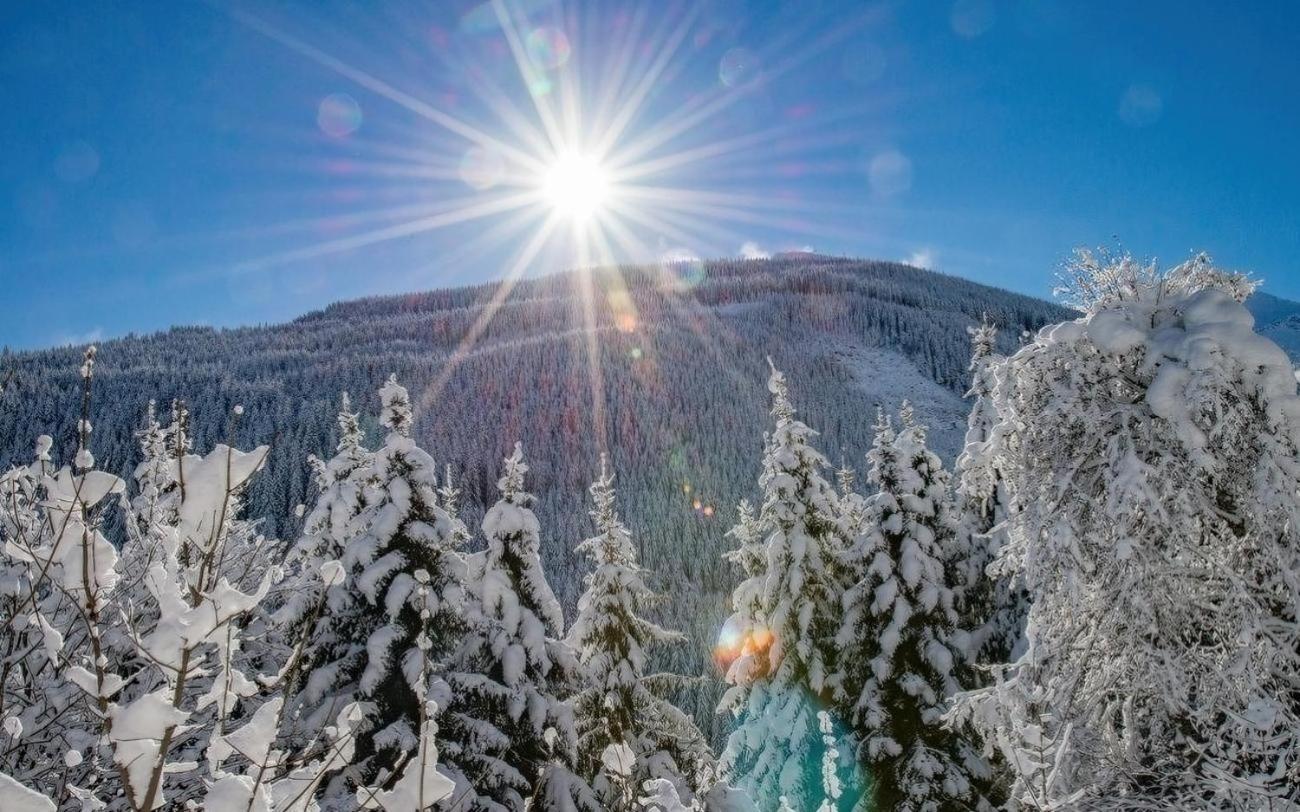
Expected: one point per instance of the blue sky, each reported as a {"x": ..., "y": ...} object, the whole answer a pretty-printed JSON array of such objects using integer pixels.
[{"x": 233, "y": 163}]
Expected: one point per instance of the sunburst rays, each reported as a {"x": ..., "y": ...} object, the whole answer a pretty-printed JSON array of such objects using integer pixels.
[
  {"x": 592, "y": 168},
  {"x": 595, "y": 104}
]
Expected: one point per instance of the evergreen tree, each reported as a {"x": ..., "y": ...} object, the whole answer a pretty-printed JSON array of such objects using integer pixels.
[
  {"x": 400, "y": 538},
  {"x": 901, "y": 647},
  {"x": 990, "y": 604},
  {"x": 327, "y": 531},
  {"x": 154, "y": 476},
  {"x": 852, "y": 506},
  {"x": 623, "y": 706},
  {"x": 514, "y": 668},
  {"x": 744, "y": 630},
  {"x": 783, "y": 675}
]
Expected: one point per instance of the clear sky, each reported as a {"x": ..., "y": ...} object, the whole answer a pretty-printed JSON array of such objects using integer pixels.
[{"x": 225, "y": 163}]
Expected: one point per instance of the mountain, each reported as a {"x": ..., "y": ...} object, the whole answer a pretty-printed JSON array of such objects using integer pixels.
[
  {"x": 1279, "y": 319},
  {"x": 673, "y": 357}
]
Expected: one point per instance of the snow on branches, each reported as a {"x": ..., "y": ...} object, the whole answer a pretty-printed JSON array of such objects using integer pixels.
[
  {"x": 1150, "y": 451},
  {"x": 129, "y": 674},
  {"x": 622, "y": 708},
  {"x": 787, "y": 613}
]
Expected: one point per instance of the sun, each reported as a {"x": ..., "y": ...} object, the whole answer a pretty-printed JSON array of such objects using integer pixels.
[{"x": 576, "y": 186}]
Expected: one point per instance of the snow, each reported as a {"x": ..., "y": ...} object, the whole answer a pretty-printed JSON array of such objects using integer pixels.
[
  {"x": 1111, "y": 331},
  {"x": 618, "y": 758},
  {"x": 1148, "y": 449},
  {"x": 332, "y": 572},
  {"x": 208, "y": 482},
  {"x": 68, "y": 499},
  {"x": 138, "y": 728},
  {"x": 421, "y": 785},
  {"x": 87, "y": 682},
  {"x": 18, "y": 798},
  {"x": 251, "y": 740},
  {"x": 889, "y": 379}
]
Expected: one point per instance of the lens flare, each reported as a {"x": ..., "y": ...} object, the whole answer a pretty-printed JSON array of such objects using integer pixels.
[
  {"x": 738, "y": 67},
  {"x": 736, "y": 641},
  {"x": 339, "y": 115},
  {"x": 482, "y": 167},
  {"x": 890, "y": 173},
  {"x": 683, "y": 271},
  {"x": 548, "y": 48}
]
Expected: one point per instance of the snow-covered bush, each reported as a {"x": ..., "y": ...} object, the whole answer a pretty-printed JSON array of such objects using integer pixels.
[
  {"x": 1150, "y": 452},
  {"x": 125, "y": 682}
]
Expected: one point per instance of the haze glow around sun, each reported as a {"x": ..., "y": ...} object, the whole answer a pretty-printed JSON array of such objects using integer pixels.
[{"x": 576, "y": 186}]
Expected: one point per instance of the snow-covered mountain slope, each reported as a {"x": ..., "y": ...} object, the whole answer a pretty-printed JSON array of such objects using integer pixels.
[
  {"x": 1279, "y": 319},
  {"x": 664, "y": 368}
]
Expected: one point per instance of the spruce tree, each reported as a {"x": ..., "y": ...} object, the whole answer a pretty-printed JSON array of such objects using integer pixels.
[
  {"x": 623, "y": 705},
  {"x": 400, "y": 539},
  {"x": 329, "y": 527},
  {"x": 902, "y": 651},
  {"x": 749, "y": 555},
  {"x": 514, "y": 669},
  {"x": 990, "y": 604},
  {"x": 783, "y": 675},
  {"x": 852, "y": 505}
]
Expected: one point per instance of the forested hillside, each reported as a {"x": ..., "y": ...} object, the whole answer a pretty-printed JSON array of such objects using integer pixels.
[
  {"x": 679, "y": 364},
  {"x": 1279, "y": 319},
  {"x": 914, "y": 645}
]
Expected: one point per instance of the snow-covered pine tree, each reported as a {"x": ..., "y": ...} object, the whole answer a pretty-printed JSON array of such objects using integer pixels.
[
  {"x": 783, "y": 674},
  {"x": 744, "y": 629},
  {"x": 990, "y": 604},
  {"x": 419, "y": 784},
  {"x": 154, "y": 476},
  {"x": 329, "y": 527},
  {"x": 853, "y": 507},
  {"x": 514, "y": 669},
  {"x": 901, "y": 647},
  {"x": 1151, "y": 454},
  {"x": 623, "y": 705},
  {"x": 377, "y": 613}
]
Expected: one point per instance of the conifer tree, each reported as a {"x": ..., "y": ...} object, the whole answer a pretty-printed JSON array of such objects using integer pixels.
[
  {"x": 400, "y": 538},
  {"x": 991, "y": 606},
  {"x": 329, "y": 527},
  {"x": 902, "y": 653},
  {"x": 623, "y": 706},
  {"x": 515, "y": 668},
  {"x": 783, "y": 675},
  {"x": 154, "y": 477},
  {"x": 744, "y": 628},
  {"x": 852, "y": 505}
]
